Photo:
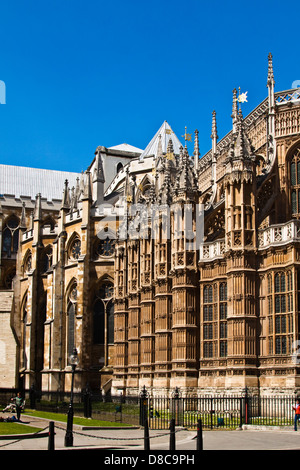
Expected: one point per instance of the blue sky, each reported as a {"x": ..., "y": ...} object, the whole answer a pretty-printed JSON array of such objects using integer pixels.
[{"x": 79, "y": 74}]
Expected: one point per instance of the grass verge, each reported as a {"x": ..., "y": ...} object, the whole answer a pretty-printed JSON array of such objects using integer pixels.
[
  {"x": 76, "y": 420},
  {"x": 17, "y": 428}
]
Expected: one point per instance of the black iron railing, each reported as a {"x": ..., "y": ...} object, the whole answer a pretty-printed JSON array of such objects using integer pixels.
[{"x": 220, "y": 412}]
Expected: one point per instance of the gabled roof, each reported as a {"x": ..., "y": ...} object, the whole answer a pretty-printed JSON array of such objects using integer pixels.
[{"x": 163, "y": 135}]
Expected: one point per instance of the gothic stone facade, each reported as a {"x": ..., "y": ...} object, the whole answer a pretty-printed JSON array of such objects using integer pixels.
[{"x": 181, "y": 272}]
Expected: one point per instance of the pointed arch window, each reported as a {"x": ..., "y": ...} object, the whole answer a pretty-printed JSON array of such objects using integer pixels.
[
  {"x": 103, "y": 315},
  {"x": 71, "y": 318},
  {"x": 27, "y": 264},
  {"x": 10, "y": 236},
  {"x": 295, "y": 183},
  {"x": 24, "y": 320}
]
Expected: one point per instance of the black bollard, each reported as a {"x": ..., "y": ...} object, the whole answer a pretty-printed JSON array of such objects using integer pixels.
[
  {"x": 172, "y": 434},
  {"x": 51, "y": 436},
  {"x": 199, "y": 435},
  {"x": 146, "y": 435}
]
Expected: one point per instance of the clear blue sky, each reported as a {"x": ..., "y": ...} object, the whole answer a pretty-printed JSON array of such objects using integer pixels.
[{"x": 79, "y": 74}]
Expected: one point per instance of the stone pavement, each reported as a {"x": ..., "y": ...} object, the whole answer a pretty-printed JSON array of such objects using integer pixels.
[{"x": 119, "y": 439}]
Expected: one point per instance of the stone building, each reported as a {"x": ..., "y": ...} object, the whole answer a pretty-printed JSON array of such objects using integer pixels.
[{"x": 173, "y": 271}]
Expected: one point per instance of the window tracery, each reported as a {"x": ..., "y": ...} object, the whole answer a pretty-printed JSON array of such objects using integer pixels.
[
  {"x": 103, "y": 314},
  {"x": 215, "y": 320},
  {"x": 75, "y": 249},
  {"x": 10, "y": 236},
  {"x": 71, "y": 317},
  {"x": 105, "y": 247},
  {"x": 27, "y": 265},
  {"x": 280, "y": 312}
]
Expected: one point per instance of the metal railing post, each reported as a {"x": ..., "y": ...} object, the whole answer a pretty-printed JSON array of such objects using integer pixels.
[
  {"x": 146, "y": 435},
  {"x": 143, "y": 405},
  {"x": 172, "y": 434}
]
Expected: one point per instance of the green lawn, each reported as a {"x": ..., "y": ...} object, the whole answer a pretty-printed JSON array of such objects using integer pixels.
[
  {"x": 17, "y": 428},
  {"x": 76, "y": 420}
]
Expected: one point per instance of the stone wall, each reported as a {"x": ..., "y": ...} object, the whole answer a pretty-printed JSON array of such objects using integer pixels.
[{"x": 8, "y": 347}]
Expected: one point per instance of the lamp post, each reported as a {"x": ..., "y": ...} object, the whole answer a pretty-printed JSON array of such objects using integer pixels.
[{"x": 73, "y": 361}]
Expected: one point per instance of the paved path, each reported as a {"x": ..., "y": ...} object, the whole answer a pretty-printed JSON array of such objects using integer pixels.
[{"x": 133, "y": 439}]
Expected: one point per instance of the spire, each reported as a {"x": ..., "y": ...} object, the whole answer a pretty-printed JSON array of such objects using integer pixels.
[
  {"x": 66, "y": 196},
  {"x": 87, "y": 191},
  {"x": 73, "y": 199},
  {"x": 170, "y": 148},
  {"x": 98, "y": 170},
  {"x": 214, "y": 133},
  {"x": 165, "y": 192},
  {"x": 38, "y": 207},
  {"x": 271, "y": 96},
  {"x": 23, "y": 217},
  {"x": 196, "y": 151},
  {"x": 77, "y": 191},
  {"x": 186, "y": 175},
  {"x": 159, "y": 147},
  {"x": 127, "y": 189},
  {"x": 240, "y": 147},
  {"x": 234, "y": 114},
  {"x": 270, "y": 81}
]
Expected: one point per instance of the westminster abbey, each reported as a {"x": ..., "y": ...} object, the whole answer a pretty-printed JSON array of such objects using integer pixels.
[{"x": 161, "y": 268}]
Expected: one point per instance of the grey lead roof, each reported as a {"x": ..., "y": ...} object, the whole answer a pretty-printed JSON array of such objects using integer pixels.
[{"x": 25, "y": 181}]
